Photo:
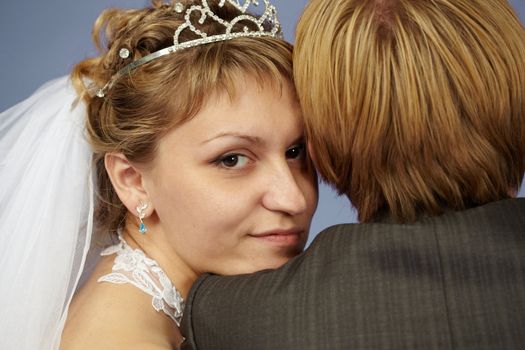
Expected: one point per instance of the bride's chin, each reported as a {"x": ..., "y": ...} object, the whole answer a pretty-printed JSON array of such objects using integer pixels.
[{"x": 270, "y": 263}]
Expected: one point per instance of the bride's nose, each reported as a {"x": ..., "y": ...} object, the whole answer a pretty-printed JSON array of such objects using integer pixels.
[{"x": 283, "y": 193}]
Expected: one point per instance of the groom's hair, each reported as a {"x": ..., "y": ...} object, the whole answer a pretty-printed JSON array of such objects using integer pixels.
[{"x": 414, "y": 106}]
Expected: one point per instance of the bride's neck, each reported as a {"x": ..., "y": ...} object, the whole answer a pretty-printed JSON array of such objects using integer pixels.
[{"x": 156, "y": 246}]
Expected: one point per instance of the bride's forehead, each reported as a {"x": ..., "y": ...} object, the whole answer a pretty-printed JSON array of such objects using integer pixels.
[
  {"x": 252, "y": 109},
  {"x": 233, "y": 89},
  {"x": 263, "y": 118}
]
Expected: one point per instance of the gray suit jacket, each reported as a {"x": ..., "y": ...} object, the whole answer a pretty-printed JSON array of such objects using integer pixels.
[{"x": 456, "y": 281}]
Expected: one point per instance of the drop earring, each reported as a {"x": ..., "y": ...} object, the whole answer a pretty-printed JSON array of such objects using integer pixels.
[{"x": 141, "y": 212}]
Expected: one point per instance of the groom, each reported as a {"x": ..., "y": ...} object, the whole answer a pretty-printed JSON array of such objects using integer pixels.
[{"x": 416, "y": 111}]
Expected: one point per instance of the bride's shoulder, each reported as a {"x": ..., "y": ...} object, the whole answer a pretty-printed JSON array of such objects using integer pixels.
[{"x": 107, "y": 315}]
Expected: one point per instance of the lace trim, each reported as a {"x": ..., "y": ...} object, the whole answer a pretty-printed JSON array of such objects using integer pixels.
[{"x": 134, "y": 267}]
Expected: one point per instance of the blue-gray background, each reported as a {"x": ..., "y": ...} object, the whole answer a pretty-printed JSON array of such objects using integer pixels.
[{"x": 41, "y": 40}]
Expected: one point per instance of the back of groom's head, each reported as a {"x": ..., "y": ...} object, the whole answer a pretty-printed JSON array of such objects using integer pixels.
[{"x": 414, "y": 106}]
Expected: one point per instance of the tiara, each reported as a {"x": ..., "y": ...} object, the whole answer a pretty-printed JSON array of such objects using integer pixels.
[{"x": 268, "y": 17}]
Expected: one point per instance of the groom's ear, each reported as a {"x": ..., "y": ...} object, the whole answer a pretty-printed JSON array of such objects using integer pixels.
[{"x": 126, "y": 180}]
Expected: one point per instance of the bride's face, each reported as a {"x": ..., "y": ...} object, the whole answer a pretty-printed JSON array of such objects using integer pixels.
[{"x": 231, "y": 189}]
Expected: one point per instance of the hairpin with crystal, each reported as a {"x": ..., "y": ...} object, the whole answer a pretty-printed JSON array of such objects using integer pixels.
[{"x": 269, "y": 17}]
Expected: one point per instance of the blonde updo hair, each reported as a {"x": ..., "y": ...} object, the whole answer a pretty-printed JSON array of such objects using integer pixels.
[{"x": 141, "y": 107}]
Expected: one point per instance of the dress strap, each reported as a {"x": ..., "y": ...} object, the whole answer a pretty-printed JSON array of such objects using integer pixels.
[{"x": 132, "y": 266}]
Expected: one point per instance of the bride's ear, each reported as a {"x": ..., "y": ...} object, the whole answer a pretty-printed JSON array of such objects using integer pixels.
[{"x": 126, "y": 180}]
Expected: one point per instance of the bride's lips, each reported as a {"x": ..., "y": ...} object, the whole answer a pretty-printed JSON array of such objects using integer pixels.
[{"x": 289, "y": 237}]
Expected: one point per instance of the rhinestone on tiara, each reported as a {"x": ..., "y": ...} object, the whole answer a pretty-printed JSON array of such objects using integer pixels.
[
  {"x": 179, "y": 8},
  {"x": 269, "y": 17},
  {"x": 123, "y": 53}
]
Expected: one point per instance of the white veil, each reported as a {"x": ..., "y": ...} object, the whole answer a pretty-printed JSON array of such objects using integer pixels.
[{"x": 46, "y": 214}]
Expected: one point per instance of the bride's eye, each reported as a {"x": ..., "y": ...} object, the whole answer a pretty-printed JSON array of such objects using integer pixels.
[
  {"x": 296, "y": 152},
  {"x": 233, "y": 161}
]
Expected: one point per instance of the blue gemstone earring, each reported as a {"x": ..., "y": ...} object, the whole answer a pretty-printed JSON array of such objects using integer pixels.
[{"x": 141, "y": 212}]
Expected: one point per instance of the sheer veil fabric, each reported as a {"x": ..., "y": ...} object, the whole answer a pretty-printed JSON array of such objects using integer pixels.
[{"x": 46, "y": 214}]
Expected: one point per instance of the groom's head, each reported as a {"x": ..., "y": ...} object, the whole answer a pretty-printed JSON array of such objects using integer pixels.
[{"x": 414, "y": 105}]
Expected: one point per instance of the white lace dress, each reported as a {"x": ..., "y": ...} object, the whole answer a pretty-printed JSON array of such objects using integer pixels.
[{"x": 132, "y": 266}]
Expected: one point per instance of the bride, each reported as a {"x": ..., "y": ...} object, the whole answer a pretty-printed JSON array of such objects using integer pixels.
[{"x": 196, "y": 163}]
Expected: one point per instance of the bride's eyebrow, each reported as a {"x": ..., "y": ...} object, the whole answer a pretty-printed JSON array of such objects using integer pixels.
[
  {"x": 300, "y": 139},
  {"x": 250, "y": 138}
]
